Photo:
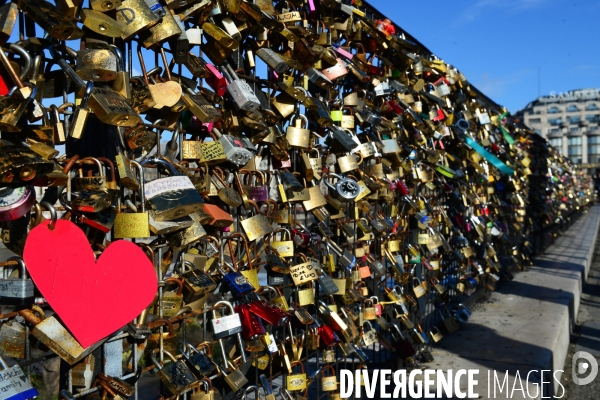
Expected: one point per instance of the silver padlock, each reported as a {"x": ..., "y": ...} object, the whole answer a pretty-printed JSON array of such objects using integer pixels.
[
  {"x": 345, "y": 189},
  {"x": 383, "y": 89},
  {"x": 272, "y": 59},
  {"x": 239, "y": 151},
  {"x": 16, "y": 291},
  {"x": 240, "y": 91},
  {"x": 371, "y": 118},
  {"x": 228, "y": 325},
  {"x": 194, "y": 36}
]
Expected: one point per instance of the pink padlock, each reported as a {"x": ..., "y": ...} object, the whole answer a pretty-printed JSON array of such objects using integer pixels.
[
  {"x": 312, "y": 9},
  {"x": 344, "y": 53},
  {"x": 216, "y": 80},
  {"x": 208, "y": 126}
]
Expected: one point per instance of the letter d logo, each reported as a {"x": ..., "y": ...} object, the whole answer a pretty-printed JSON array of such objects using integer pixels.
[{"x": 127, "y": 14}]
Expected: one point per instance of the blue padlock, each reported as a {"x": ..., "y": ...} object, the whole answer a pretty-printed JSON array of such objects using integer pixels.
[
  {"x": 237, "y": 283},
  {"x": 14, "y": 385}
]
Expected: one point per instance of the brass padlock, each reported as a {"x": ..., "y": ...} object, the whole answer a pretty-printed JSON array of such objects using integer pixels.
[{"x": 296, "y": 134}]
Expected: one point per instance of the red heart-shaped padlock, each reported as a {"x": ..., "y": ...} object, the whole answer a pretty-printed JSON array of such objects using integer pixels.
[{"x": 93, "y": 298}]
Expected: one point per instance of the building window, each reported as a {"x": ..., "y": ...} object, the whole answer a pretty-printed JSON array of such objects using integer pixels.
[
  {"x": 557, "y": 143},
  {"x": 553, "y": 130},
  {"x": 592, "y": 118},
  {"x": 538, "y": 131},
  {"x": 554, "y": 121},
  {"x": 574, "y": 149},
  {"x": 591, "y": 107},
  {"x": 572, "y": 109},
  {"x": 553, "y": 110},
  {"x": 535, "y": 121},
  {"x": 593, "y": 149},
  {"x": 574, "y": 129},
  {"x": 574, "y": 119}
]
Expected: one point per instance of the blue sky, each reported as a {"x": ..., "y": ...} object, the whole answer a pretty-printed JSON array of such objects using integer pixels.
[{"x": 500, "y": 44}]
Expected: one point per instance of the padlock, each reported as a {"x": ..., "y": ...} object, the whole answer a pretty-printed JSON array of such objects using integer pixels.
[
  {"x": 118, "y": 385},
  {"x": 169, "y": 27},
  {"x": 96, "y": 64},
  {"x": 176, "y": 375},
  {"x": 14, "y": 384},
  {"x": 238, "y": 151},
  {"x": 252, "y": 326},
  {"x": 239, "y": 90},
  {"x": 55, "y": 336},
  {"x": 12, "y": 339},
  {"x": 378, "y": 307},
  {"x": 296, "y": 135},
  {"x": 94, "y": 196},
  {"x": 369, "y": 336},
  {"x": 168, "y": 338},
  {"x": 267, "y": 311},
  {"x": 16, "y": 291},
  {"x": 272, "y": 59},
  {"x": 135, "y": 16},
  {"x": 279, "y": 300},
  {"x": 295, "y": 382},
  {"x": 257, "y": 225},
  {"x": 200, "y": 106},
  {"x": 50, "y": 19},
  {"x": 134, "y": 225},
  {"x": 236, "y": 379},
  {"x": 403, "y": 347},
  {"x": 328, "y": 383},
  {"x": 172, "y": 197},
  {"x": 170, "y": 302},
  {"x": 234, "y": 281},
  {"x": 369, "y": 310},
  {"x": 227, "y": 325},
  {"x": 345, "y": 189},
  {"x": 199, "y": 363},
  {"x": 108, "y": 105},
  {"x": 196, "y": 282},
  {"x": 331, "y": 318}
]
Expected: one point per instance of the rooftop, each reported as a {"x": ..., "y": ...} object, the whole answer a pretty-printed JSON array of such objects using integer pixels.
[{"x": 571, "y": 95}]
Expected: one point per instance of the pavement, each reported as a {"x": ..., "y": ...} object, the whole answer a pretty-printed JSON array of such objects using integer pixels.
[
  {"x": 524, "y": 330},
  {"x": 586, "y": 334}
]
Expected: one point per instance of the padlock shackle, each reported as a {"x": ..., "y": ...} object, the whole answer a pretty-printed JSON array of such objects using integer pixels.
[
  {"x": 80, "y": 83},
  {"x": 52, "y": 210},
  {"x": 156, "y": 362},
  {"x": 395, "y": 326},
  {"x": 21, "y": 264},
  {"x": 140, "y": 169},
  {"x": 26, "y": 69},
  {"x": 205, "y": 345},
  {"x": 159, "y": 161},
  {"x": 179, "y": 284}
]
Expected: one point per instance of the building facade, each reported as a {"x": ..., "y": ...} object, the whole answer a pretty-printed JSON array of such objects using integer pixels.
[{"x": 569, "y": 121}]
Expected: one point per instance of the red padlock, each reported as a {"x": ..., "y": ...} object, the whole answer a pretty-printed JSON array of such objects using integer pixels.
[
  {"x": 328, "y": 336},
  {"x": 269, "y": 312},
  {"x": 252, "y": 326}
]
